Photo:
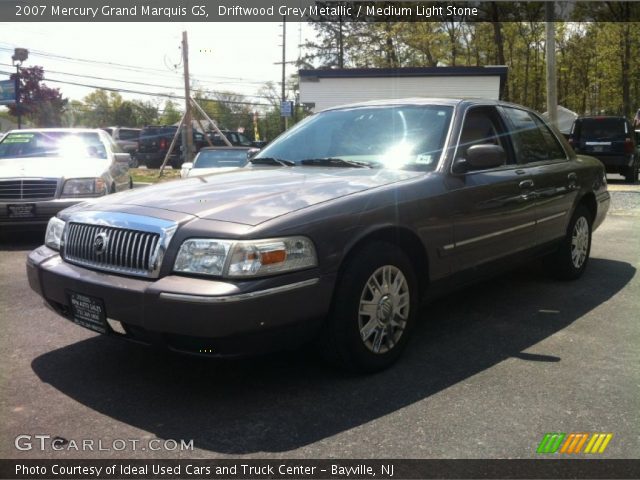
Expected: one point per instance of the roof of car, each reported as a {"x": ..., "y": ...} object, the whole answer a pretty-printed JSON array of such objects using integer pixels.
[
  {"x": 62, "y": 130},
  {"x": 425, "y": 101},
  {"x": 591, "y": 117}
]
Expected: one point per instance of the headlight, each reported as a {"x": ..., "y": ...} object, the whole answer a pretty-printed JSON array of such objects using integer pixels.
[
  {"x": 249, "y": 258},
  {"x": 84, "y": 187},
  {"x": 53, "y": 237}
]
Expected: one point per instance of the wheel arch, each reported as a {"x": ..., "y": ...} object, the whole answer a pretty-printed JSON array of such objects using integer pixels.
[
  {"x": 589, "y": 201},
  {"x": 403, "y": 238}
]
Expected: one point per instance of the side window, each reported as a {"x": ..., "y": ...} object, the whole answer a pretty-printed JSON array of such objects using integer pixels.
[
  {"x": 481, "y": 126},
  {"x": 532, "y": 139},
  {"x": 113, "y": 146}
]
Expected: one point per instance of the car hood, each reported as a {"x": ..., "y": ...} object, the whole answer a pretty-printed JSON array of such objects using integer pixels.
[
  {"x": 196, "y": 172},
  {"x": 252, "y": 196},
  {"x": 52, "y": 167}
]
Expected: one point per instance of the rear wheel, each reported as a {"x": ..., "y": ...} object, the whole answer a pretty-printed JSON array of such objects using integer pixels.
[
  {"x": 631, "y": 175},
  {"x": 570, "y": 260},
  {"x": 374, "y": 310}
]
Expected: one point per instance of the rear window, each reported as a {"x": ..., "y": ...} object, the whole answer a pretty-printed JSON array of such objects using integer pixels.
[
  {"x": 155, "y": 131},
  {"x": 602, "y": 129},
  {"x": 129, "y": 134}
]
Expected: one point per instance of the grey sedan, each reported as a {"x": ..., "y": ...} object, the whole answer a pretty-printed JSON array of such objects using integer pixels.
[{"x": 335, "y": 233}]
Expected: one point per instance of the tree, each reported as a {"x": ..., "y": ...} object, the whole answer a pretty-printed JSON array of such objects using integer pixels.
[
  {"x": 41, "y": 105},
  {"x": 170, "y": 114}
]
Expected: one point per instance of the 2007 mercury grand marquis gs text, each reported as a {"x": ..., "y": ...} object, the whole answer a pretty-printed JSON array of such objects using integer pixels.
[{"x": 335, "y": 232}]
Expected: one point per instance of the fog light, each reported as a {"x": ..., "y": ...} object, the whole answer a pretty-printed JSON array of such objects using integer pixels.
[{"x": 116, "y": 326}]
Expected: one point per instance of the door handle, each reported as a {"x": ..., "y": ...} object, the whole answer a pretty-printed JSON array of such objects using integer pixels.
[
  {"x": 573, "y": 181},
  {"x": 526, "y": 184}
]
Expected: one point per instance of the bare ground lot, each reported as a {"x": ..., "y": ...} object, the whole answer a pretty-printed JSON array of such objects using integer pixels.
[{"x": 491, "y": 369}]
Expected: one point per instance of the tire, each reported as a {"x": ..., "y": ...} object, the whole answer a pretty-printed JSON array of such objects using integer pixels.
[
  {"x": 570, "y": 260},
  {"x": 130, "y": 182},
  {"x": 176, "y": 164},
  {"x": 631, "y": 174},
  {"x": 371, "y": 341}
]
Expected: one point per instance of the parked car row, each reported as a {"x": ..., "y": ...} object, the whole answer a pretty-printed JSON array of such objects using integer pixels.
[
  {"x": 334, "y": 233},
  {"x": 149, "y": 145}
]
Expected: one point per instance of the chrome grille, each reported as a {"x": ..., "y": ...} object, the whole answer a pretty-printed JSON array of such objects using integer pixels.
[
  {"x": 28, "y": 189},
  {"x": 121, "y": 250}
]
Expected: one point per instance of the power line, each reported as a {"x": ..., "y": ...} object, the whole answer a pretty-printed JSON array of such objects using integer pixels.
[
  {"x": 134, "y": 68},
  {"x": 132, "y": 82},
  {"x": 138, "y": 92}
]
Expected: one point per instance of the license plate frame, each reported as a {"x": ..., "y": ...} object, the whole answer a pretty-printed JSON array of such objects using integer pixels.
[
  {"x": 88, "y": 311},
  {"x": 21, "y": 210}
]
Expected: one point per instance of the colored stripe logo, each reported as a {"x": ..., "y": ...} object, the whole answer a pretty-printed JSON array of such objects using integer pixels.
[{"x": 574, "y": 443}]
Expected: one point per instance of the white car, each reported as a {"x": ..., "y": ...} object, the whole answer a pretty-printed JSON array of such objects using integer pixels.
[
  {"x": 217, "y": 160},
  {"x": 43, "y": 171}
]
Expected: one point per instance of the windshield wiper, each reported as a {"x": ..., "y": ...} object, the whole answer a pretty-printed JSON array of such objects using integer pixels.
[
  {"x": 334, "y": 162},
  {"x": 272, "y": 161}
]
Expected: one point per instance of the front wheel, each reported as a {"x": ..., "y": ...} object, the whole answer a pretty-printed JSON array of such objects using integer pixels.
[
  {"x": 570, "y": 260},
  {"x": 374, "y": 309}
]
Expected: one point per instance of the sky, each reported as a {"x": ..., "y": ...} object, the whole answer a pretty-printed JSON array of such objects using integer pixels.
[{"x": 237, "y": 57}]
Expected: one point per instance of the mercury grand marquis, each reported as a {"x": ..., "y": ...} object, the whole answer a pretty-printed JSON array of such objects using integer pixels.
[{"x": 336, "y": 232}]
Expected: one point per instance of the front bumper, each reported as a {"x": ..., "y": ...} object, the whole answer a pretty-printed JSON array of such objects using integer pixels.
[
  {"x": 192, "y": 315},
  {"x": 44, "y": 210}
]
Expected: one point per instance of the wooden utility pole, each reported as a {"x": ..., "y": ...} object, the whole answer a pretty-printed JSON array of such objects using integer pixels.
[
  {"x": 552, "y": 93},
  {"x": 188, "y": 124}
]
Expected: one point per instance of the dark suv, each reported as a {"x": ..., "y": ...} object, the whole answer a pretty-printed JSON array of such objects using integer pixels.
[
  {"x": 155, "y": 141},
  {"x": 611, "y": 140}
]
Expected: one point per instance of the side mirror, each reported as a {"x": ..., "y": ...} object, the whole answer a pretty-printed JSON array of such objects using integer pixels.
[
  {"x": 252, "y": 152},
  {"x": 123, "y": 157},
  {"x": 187, "y": 166},
  {"x": 481, "y": 157}
]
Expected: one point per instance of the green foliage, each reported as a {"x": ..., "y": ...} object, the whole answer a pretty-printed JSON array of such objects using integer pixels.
[
  {"x": 103, "y": 109},
  {"x": 170, "y": 114},
  {"x": 598, "y": 62}
]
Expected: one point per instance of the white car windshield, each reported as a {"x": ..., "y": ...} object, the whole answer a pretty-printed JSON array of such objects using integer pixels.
[
  {"x": 52, "y": 144},
  {"x": 395, "y": 136}
]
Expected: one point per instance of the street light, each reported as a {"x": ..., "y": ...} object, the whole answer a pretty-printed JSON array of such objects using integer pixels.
[{"x": 19, "y": 56}]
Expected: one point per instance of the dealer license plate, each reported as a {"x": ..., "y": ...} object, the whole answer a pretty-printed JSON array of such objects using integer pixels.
[
  {"x": 21, "y": 210},
  {"x": 88, "y": 312}
]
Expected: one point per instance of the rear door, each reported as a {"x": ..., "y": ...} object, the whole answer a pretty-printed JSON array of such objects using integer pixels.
[
  {"x": 493, "y": 209},
  {"x": 554, "y": 175}
]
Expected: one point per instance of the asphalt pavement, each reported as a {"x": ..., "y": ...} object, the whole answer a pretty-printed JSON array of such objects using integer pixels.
[{"x": 490, "y": 370}]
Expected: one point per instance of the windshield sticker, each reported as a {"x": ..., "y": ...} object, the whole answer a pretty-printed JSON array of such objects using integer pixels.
[{"x": 18, "y": 139}]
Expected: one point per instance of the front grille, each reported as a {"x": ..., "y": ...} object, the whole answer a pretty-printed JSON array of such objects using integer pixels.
[
  {"x": 27, "y": 189},
  {"x": 120, "y": 250}
]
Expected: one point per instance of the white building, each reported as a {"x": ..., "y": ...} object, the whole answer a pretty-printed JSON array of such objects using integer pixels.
[{"x": 320, "y": 89}]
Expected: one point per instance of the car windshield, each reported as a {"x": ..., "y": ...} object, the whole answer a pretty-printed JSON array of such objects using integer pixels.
[
  {"x": 398, "y": 136},
  {"x": 52, "y": 144},
  {"x": 220, "y": 159}
]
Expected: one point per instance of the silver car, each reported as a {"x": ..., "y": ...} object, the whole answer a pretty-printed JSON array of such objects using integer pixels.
[{"x": 43, "y": 171}]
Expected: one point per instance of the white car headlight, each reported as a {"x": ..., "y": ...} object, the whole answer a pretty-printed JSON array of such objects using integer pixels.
[
  {"x": 84, "y": 187},
  {"x": 247, "y": 258},
  {"x": 53, "y": 237}
]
